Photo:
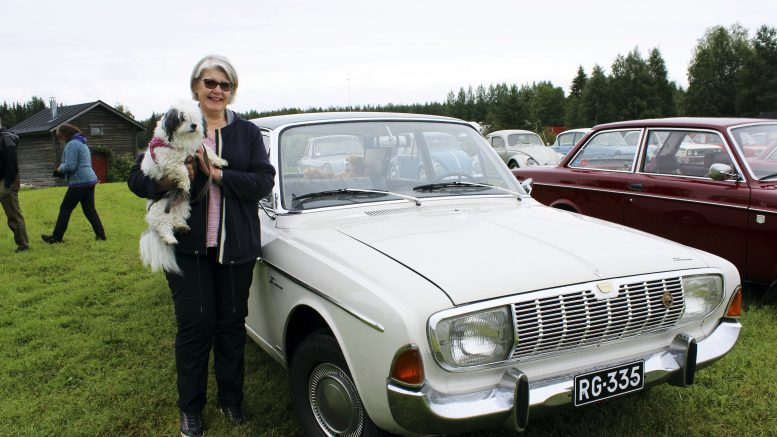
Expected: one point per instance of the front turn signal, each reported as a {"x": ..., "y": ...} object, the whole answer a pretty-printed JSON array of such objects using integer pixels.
[
  {"x": 408, "y": 368},
  {"x": 735, "y": 306}
]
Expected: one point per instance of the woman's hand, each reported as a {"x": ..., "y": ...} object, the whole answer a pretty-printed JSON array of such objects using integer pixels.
[{"x": 206, "y": 168}]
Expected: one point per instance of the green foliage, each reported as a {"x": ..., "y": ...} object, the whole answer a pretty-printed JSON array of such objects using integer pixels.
[
  {"x": 87, "y": 349},
  {"x": 17, "y": 112},
  {"x": 715, "y": 71},
  {"x": 119, "y": 167}
]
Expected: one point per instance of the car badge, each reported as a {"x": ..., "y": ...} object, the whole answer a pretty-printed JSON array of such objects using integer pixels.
[
  {"x": 667, "y": 299},
  {"x": 604, "y": 286}
]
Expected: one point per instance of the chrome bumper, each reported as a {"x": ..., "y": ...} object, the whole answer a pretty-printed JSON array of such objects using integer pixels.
[{"x": 428, "y": 411}]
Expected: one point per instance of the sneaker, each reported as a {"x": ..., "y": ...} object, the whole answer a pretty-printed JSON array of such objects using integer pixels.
[
  {"x": 50, "y": 239},
  {"x": 234, "y": 414},
  {"x": 22, "y": 249},
  {"x": 100, "y": 238},
  {"x": 191, "y": 424}
]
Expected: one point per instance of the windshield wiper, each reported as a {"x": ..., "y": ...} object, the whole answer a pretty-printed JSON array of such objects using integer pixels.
[
  {"x": 459, "y": 184},
  {"x": 297, "y": 201},
  {"x": 769, "y": 176}
]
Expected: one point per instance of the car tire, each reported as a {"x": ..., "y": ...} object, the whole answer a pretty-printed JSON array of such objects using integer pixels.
[
  {"x": 513, "y": 165},
  {"x": 323, "y": 392}
]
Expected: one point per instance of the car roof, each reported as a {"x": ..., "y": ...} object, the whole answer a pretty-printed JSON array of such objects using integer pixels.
[
  {"x": 280, "y": 120},
  {"x": 718, "y": 123},
  {"x": 513, "y": 131},
  {"x": 581, "y": 130}
]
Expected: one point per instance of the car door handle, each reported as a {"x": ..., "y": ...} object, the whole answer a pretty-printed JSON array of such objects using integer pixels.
[{"x": 635, "y": 187}]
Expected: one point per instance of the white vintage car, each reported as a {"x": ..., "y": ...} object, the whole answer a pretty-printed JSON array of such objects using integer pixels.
[
  {"x": 426, "y": 304},
  {"x": 522, "y": 148}
]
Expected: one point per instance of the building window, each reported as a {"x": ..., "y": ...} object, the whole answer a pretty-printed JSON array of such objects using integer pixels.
[{"x": 96, "y": 130}]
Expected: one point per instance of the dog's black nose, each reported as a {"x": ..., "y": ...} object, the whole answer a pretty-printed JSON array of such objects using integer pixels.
[{"x": 194, "y": 127}]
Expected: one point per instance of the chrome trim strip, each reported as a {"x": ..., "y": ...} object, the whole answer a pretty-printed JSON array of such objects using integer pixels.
[
  {"x": 372, "y": 324},
  {"x": 635, "y": 194},
  {"x": 765, "y": 211},
  {"x": 431, "y": 411}
]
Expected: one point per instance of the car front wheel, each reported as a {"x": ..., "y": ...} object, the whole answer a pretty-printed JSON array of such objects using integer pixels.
[
  {"x": 323, "y": 392},
  {"x": 512, "y": 165}
]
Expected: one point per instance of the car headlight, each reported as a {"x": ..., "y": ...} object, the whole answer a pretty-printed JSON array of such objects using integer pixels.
[
  {"x": 703, "y": 293},
  {"x": 473, "y": 339}
]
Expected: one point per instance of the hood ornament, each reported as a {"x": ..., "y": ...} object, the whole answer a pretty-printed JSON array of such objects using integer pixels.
[{"x": 667, "y": 299}]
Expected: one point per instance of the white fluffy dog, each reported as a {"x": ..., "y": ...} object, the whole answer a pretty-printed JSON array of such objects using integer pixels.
[{"x": 177, "y": 136}]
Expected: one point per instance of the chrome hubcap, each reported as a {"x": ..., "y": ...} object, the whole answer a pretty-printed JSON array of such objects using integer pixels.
[{"x": 334, "y": 401}]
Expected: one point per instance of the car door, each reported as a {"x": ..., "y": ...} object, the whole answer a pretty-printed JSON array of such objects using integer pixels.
[
  {"x": 595, "y": 179},
  {"x": 671, "y": 195}
]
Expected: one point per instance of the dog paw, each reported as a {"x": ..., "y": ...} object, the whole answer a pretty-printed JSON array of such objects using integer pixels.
[{"x": 170, "y": 241}]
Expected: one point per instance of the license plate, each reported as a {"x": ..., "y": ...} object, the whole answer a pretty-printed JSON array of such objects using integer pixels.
[{"x": 607, "y": 383}]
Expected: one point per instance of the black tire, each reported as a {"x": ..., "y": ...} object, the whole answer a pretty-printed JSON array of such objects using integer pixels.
[
  {"x": 323, "y": 392},
  {"x": 513, "y": 165}
]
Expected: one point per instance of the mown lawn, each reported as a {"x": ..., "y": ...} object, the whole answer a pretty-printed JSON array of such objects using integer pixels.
[{"x": 86, "y": 348}]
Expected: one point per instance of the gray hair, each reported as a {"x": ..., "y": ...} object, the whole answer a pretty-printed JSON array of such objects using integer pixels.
[{"x": 211, "y": 62}]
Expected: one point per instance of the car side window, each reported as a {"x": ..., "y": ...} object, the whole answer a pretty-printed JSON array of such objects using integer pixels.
[
  {"x": 607, "y": 150},
  {"x": 566, "y": 140},
  {"x": 497, "y": 142},
  {"x": 683, "y": 153}
]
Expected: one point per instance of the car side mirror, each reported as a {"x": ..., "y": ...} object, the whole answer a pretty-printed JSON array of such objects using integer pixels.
[
  {"x": 526, "y": 185},
  {"x": 721, "y": 172}
]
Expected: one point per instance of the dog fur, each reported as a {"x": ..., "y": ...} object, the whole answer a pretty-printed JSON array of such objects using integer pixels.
[{"x": 181, "y": 131}]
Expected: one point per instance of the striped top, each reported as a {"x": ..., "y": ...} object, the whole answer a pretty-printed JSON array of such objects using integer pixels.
[{"x": 214, "y": 205}]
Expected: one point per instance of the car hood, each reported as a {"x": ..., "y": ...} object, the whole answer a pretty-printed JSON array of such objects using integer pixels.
[
  {"x": 541, "y": 154},
  {"x": 481, "y": 253}
]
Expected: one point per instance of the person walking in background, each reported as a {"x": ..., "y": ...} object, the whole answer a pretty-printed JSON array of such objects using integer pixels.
[
  {"x": 218, "y": 253},
  {"x": 76, "y": 167},
  {"x": 9, "y": 187}
]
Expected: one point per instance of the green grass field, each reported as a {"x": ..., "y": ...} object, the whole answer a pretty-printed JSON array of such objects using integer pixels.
[{"x": 86, "y": 349}]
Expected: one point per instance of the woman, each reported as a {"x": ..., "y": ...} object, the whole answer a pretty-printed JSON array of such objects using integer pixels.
[
  {"x": 218, "y": 253},
  {"x": 76, "y": 167}
]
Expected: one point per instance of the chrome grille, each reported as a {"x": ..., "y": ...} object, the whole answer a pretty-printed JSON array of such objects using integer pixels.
[{"x": 576, "y": 319}]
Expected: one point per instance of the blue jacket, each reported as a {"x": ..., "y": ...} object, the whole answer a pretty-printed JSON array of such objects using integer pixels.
[
  {"x": 248, "y": 177},
  {"x": 77, "y": 164}
]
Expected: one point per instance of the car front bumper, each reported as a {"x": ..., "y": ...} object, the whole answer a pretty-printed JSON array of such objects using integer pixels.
[{"x": 427, "y": 411}]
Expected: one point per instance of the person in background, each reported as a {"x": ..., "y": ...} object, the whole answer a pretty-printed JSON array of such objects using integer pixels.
[
  {"x": 76, "y": 167},
  {"x": 9, "y": 187},
  {"x": 218, "y": 253}
]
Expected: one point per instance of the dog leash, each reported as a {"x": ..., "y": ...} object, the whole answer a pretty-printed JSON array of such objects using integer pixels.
[{"x": 204, "y": 188}]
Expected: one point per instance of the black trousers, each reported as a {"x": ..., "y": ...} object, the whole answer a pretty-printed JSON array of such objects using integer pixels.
[
  {"x": 74, "y": 196},
  {"x": 211, "y": 304}
]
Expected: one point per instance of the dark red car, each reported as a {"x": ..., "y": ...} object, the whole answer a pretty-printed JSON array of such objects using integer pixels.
[{"x": 704, "y": 182}]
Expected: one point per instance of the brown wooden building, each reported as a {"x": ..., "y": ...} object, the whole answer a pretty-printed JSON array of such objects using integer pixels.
[{"x": 39, "y": 152}]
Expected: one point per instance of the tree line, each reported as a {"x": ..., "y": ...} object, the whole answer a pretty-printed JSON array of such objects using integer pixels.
[{"x": 730, "y": 75}]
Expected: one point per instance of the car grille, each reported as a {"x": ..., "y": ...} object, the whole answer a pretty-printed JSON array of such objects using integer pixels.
[{"x": 573, "y": 320}]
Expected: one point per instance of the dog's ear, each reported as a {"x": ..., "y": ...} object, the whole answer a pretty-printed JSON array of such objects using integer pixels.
[
  {"x": 172, "y": 121},
  {"x": 204, "y": 127}
]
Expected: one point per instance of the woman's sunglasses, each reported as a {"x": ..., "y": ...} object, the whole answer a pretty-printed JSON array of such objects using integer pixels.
[{"x": 212, "y": 84}]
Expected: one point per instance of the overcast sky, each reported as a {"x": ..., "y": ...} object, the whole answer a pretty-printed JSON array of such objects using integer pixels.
[{"x": 303, "y": 53}]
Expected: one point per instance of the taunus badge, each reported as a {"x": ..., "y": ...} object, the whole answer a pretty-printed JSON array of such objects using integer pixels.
[
  {"x": 604, "y": 286},
  {"x": 667, "y": 299},
  {"x": 606, "y": 290}
]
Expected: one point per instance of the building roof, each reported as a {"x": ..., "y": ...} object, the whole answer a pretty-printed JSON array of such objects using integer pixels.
[{"x": 44, "y": 122}]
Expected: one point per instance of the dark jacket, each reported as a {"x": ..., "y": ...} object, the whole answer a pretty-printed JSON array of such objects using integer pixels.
[
  {"x": 248, "y": 177},
  {"x": 9, "y": 167}
]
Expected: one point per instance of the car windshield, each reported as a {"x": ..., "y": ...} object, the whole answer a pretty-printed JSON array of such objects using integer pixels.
[
  {"x": 524, "y": 140},
  {"x": 757, "y": 144},
  {"x": 387, "y": 160}
]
